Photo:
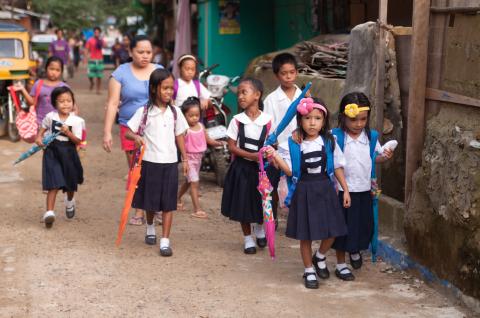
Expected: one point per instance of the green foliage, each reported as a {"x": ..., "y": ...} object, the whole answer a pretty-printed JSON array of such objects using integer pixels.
[{"x": 78, "y": 14}]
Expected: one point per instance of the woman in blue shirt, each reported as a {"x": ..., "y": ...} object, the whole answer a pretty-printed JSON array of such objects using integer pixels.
[{"x": 128, "y": 91}]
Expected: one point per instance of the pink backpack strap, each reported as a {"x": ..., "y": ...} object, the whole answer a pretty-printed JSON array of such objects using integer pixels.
[{"x": 175, "y": 89}]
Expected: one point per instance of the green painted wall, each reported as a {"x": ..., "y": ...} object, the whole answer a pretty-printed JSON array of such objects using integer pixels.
[{"x": 292, "y": 22}]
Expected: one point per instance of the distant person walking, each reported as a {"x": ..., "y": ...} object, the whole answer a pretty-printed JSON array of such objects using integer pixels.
[
  {"x": 60, "y": 49},
  {"x": 94, "y": 56}
]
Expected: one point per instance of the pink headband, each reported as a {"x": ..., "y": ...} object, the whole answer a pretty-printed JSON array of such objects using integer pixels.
[{"x": 306, "y": 105}]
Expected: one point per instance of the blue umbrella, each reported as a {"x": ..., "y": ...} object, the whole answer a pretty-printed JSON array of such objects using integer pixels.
[
  {"x": 30, "y": 152},
  {"x": 289, "y": 115}
]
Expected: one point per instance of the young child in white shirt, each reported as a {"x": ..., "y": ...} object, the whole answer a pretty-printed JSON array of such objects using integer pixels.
[
  {"x": 285, "y": 68},
  {"x": 162, "y": 127},
  {"x": 187, "y": 85}
]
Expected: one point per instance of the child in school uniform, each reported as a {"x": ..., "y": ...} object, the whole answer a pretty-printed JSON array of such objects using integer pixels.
[
  {"x": 314, "y": 209},
  {"x": 357, "y": 140},
  {"x": 187, "y": 85},
  {"x": 285, "y": 68},
  {"x": 247, "y": 131},
  {"x": 161, "y": 128},
  {"x": 61, "y": 166}
]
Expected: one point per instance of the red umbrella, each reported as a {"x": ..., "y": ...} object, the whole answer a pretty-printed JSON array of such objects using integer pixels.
[
  {"x": 133, "y": 177},
  {"x": 265, "y": 188}
]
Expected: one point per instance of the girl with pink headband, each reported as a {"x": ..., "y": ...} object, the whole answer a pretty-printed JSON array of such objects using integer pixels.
[{"x": 315, "y": 212}]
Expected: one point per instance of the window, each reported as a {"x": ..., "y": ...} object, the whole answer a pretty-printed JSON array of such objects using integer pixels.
[{"x": 11, "y": 48}]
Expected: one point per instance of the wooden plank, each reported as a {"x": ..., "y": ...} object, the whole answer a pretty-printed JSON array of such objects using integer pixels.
[
  {"x": 448, "y": 97},
  {"x": 416, "y": 98},
  {"x": 449, "y": 10}
]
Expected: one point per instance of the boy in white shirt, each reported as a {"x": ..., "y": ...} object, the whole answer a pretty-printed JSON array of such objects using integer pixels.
[{"x": 285, "y": 68}]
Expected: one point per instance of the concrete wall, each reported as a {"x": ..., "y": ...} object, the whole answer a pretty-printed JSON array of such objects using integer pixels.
[{"x": 442, "y": 222}]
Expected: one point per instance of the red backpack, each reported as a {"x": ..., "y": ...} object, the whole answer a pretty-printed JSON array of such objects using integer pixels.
[{"x": 26, "y": 121}]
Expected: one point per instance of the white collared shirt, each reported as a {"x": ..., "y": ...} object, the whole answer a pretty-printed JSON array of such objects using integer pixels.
[
  {"x": 276, "y": 104},
  {"x": 253, "y": 129},
  {"x": 159, "y": 133},
  {"x": 308, "y": 146},
  {"x": 359, "y": 164},
  {"x": 186, "y": 90},
  {"x": 52, "y": 124}
]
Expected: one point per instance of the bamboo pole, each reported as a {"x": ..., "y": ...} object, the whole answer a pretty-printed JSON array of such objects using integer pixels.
[{"x": 416, "y": 98}]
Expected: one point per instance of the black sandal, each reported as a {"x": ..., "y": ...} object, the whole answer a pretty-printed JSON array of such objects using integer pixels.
[
  {"x": 310, "y": 284},
  {"x": 250, "y": 250},
  {"x": 261, "y": 242},
  {"x": 166, "y": 251},
  {"x": 323, "y": 273},
  {"x": 70, "y": 213},
  {"x": 356, "y": 264},
  {"x": 150, "y": 239},
  {"x": 344, "y": 274}
]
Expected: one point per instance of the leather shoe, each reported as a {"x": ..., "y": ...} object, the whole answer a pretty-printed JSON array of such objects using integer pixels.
[
  {"x": 345, "y": 274},
  {"x": 250, "y": 250},
  {"x": 323, "y": 273},
  {"x": 262, "y": 242},
  {"x": 311, "y": 284},
  {"x": 151, "y": 239},
  {"x": 356, "y": 264}
]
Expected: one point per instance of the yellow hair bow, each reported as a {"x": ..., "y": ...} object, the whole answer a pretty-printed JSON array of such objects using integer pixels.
[{"x": 352, "y": 110}]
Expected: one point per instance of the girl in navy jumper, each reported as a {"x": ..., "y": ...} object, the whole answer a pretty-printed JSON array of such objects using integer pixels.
[
  {"x": 315, "y": 213},
  {"x": 247, "y": 131}
]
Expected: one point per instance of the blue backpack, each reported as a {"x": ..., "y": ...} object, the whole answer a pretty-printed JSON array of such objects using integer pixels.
[{"x": 295, "y": 157}]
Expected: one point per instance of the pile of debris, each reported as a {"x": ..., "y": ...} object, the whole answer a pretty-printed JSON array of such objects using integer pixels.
[{"x": 323, "y": 60}]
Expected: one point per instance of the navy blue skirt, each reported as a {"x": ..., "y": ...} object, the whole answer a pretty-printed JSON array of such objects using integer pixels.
[
  {"x": 359, "y": 219},
  {"x": 157, "y": 188},
  {"x": 241, "y": 200},
  {"x": 315, "y": 213},
  {"x": 61, "y": 167}
]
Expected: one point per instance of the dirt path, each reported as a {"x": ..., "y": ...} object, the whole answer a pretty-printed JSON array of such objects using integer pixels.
[{"x": 74, "y": 269}]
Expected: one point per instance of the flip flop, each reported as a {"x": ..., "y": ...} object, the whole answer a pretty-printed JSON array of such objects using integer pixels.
[
  {"x": 180, "y": 206},
  {"x": 199, "y": 214},
  {"x": 137, "y": 220}
]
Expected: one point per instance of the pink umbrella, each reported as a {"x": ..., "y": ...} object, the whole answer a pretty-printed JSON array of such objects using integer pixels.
[{"x": 265, "y": 188}]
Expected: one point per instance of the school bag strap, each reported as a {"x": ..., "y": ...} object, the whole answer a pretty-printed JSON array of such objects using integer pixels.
[
  {"x": 143, "y": 123},
  {"x": 295, "y": 158},
  {"x": 329, "y": 153},
  {"x": 196, "y": 82}
]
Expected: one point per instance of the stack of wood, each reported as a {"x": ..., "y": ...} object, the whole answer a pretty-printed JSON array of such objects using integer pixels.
[{"x": 323, "y": 60}]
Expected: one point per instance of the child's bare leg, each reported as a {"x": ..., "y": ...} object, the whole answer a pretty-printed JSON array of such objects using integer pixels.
[
  {"x": 340, "y": 257},
  {"x": 183, "y": 189},
  {"x": 167, "y": 218},
  {"x": 246, "y": 228},
  {"x": 306, "y": 251},
  {"x": 70, "y": 195},
  {"x": 194, "y": 186},
  {"x": 51, "y": 196},
  {"x": 325, "y": 245}
]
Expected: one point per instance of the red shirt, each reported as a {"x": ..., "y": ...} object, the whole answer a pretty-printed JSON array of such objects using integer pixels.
[{"x": 95, "y": 53}]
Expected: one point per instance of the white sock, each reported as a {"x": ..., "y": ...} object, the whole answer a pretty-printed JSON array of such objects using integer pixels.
[
  {"x": 49, "y": 213},
  {"x": 249, "y": 242},
  {"x": 151, "y": 229},
  {"x": 164, "y": 242},
  {"x": 69, "y": 204},
  {"x": 341, "y": 266},
  {"x": 355, "y": 256},
  {"x": 310, "y": 270},
  {"x": 258, "y": 230},
  {"x": 321, "y": 264}
]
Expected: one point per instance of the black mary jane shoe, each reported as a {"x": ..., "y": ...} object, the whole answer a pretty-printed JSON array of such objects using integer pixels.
[
  {"x": 250, "y": 250},
  {"x": 70, "y": 213},
  {"x": 356, "y": 264},
  {"x": 262, "y": 242},
  {"x": 344, "y": 274},
  {"x": 323, "y": 273},
  {"x": 310, "y": 284},
  {"x": 150, "y": 239},
  {"x": 166, "y": 251}
]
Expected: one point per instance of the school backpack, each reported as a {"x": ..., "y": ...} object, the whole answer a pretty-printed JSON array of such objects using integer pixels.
[
  {"x": 296, "y": 157},
  {"x": 196, "y": 82},
  {"x": 26, "y": 121},
  {"x": 373, "y": 136}
]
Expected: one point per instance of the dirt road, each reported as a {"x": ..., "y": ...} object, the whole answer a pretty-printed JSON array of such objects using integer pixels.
[{"x": 74, "y": 269}]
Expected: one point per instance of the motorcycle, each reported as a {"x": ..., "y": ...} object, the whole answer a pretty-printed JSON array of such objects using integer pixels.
[{"x": 215, "y": 119}]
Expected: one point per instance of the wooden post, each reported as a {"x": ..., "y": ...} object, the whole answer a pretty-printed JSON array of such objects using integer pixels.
[
  {"x": 416, "y": 98},
  {"x": 380, "y": 73},
  {"x": 438, "y": 27}
]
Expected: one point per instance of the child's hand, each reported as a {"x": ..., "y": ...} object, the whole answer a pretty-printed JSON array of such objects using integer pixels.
[
  {"x": 270, "y": 151},
  {"x": 139, "y": 141},
  {"x": 185, "y": 167},
  {"x": 18, "y": 86},
  {"x": 39, "y": 142},
  {"x": 387, "y": 153},
  {"x": 346, "y": 199},
  {"x": 204, "y": 104},
  {"x": 64, "y": 129}
]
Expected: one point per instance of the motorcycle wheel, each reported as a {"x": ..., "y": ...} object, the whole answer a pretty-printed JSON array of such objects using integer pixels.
[
  {"x": 13, "y": 132},
  {"x": 220, "y": 167}
]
